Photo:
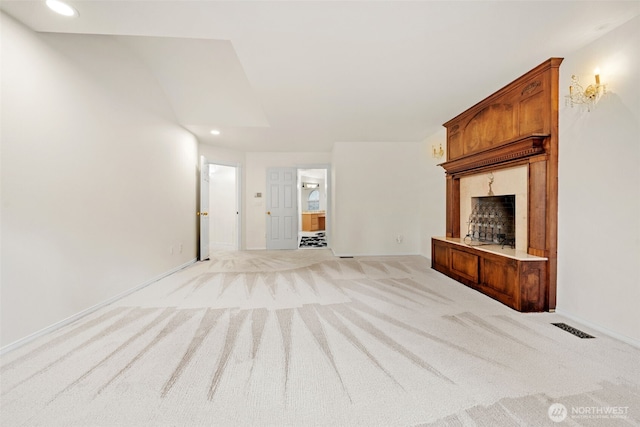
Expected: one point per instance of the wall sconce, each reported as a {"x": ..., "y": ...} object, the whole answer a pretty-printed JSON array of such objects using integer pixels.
[
  {"x": 588, "y": 96},
  {"x": 437, "y": 153}
]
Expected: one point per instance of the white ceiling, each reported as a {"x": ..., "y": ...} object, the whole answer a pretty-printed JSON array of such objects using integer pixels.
[{"x": 301, "y": 75}]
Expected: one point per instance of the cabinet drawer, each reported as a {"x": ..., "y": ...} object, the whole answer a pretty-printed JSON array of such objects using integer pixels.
[{"x": 464, "y": 264}]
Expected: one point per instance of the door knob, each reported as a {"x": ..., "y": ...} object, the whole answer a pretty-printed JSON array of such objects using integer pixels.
[
  {"x": 205, "y": 213},
  {"x": 268, "y": 212}
]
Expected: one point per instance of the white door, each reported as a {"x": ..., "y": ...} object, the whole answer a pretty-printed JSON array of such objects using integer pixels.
[
  {"x": 223, "y": 207},
  {"x": 282, "y": 218},
  {"x": 203, "y": 253}
]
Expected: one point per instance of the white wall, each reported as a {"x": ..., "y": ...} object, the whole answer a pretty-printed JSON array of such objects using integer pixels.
[
  {"x": 599, "y": 184},
  {"x": 376, "y": 198},
  {"x": 433, "y": 192},
  {"x": 98, "y": 181},
  {"x": 223, "y": 156},
  {"x": 256, "y": 182}
]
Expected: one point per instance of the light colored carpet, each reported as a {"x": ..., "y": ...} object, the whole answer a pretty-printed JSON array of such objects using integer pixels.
[{"x": 304, "y": 338}]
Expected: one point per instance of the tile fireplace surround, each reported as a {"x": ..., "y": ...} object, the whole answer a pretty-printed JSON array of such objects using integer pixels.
[{"x": 507, "y": 181}]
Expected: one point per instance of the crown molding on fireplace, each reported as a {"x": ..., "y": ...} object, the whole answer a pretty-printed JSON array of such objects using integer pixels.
[{"x": 511, "y": 151}]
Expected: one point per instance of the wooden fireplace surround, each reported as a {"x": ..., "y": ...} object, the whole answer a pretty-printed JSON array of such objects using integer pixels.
[{"x": 515, "y": 126}]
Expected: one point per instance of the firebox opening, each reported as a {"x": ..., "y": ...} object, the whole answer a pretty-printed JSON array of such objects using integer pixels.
[{"x": 492, "y": 221}]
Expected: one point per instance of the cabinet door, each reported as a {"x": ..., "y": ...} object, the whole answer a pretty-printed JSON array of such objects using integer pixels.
[
  {"x": 306, "y": 222},
  {"x": 464, "y": 264},
  {"x": 500, "y": 275},
  {"x": 440, "y": 255},
  {"x": 532, "y": 276}
]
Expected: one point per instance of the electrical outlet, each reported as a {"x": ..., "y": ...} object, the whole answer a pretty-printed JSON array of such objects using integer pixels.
[{"x": 180, "y": 248}]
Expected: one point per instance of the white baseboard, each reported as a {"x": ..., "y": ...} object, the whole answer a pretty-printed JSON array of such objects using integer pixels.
[
  {"x": 23, "y": 341},
  {"x": 599, "y": 328},
  {"x": 374, "y": 255}
]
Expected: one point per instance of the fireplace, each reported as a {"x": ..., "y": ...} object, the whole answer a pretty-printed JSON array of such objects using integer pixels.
[
  {"x": 502, "y": 186},
  {"x": 509, "y": 182},
  {"x": 492, "y": 220}
]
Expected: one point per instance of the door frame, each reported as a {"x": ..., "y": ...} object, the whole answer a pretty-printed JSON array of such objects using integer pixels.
[
  {"x": 329, "y": 210},
  {"x": 203, "y": 208},
  {"x": 239, "y": 204}
]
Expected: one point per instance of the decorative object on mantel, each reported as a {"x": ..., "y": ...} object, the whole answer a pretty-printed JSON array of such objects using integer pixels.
[
  {"x": 586, "y": 97},
  {"x": 437, "y": 153},
  {"x": 490, "y": 193}
]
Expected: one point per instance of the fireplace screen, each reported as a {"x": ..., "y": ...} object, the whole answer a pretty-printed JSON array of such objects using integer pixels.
[{"x": 492, "y": 220}]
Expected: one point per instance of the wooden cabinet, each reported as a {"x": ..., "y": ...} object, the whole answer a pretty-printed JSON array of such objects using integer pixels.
[
  {"x": 517, "y": 282},
  {"x": 313, "y": 221}
]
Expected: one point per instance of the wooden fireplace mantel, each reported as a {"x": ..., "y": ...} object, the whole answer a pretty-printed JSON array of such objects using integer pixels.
[
  {"x": 517, "y": 149},
  {"x": 517, "y": 125}
]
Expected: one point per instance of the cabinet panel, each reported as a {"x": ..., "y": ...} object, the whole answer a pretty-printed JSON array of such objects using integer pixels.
[
  {"x": 490, "y": 126},
  {"x": 499, "y": 275},
  {"x": 531, "y": 287},
  {"x": 464, "y": 264},
  {"x": 532, "y": 114},
  {"x": 537, "y": 205},
  {"x": 306, "y": 222},
  {"x": 310, "y": 222},
  {"x": 440, "y": 255},
  {"x": 454, "y": 144}
]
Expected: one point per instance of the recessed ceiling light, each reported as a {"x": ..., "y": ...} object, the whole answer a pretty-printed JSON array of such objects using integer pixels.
[
  {"x": 215, "y": 132},
  {"x": 61, "y": 8}
]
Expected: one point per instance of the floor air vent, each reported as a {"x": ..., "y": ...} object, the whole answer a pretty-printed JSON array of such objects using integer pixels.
[{"x": 572, "y": 330}]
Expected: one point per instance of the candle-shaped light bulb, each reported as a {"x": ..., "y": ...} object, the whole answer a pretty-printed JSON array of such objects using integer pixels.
[
  {"x": 597, "y": 73},
  {"x": 570, "y": 90}
]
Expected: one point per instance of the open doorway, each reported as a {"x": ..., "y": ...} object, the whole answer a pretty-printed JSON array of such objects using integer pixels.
[
  {"x": 224, "y": 209},
  {"x": 313, "y": 202}
]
